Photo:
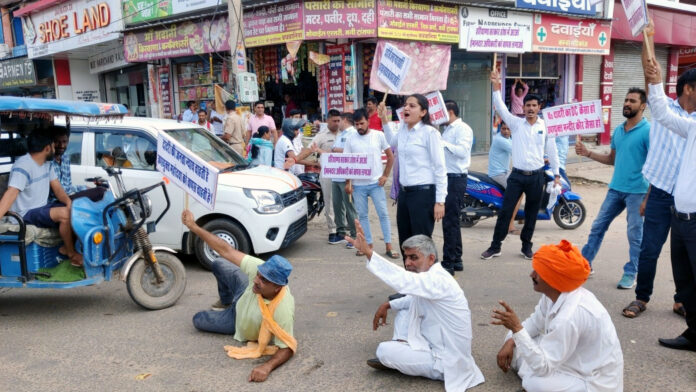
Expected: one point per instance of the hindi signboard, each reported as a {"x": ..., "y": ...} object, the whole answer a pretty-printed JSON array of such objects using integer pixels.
[
  {"x": 413, "y": 20},
  {"x": 503, "y": 31},
  {"x": 340, "y": 19},
  {"x": 637, "y": 14},
  {"x": 574, "y": 119},
  {"x": 137, "y": 11},
  {"x": 187, "y": 170},
  {"x": 393, "y": 67},
  {"x": 346, "y": 166},
  {"x": 336, "y": 93},
  {"x": 580, "y": 7},
  {"x": 557, "y": 34},
  {"x": 436, "y": 109},
  {"x": 273, "y": 24}
]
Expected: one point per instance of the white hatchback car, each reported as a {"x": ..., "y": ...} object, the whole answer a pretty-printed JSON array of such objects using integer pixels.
[{"x": 258, "y": 209}]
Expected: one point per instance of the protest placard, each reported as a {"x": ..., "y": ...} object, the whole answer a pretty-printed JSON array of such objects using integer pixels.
[
  {"x": 429, "y": 69},
  {"x": 346, "y": 166},
  {"x": 393, "y": 67},
  {"x": 187, "y": 170},
  {"x": 574, "y": 118},
  {"x": 486, "y": 30},
  {"x": 637, "y": 14},
  {"x": 436, "y": 109}
]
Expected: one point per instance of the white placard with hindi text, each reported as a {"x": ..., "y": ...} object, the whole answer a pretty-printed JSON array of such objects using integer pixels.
[
  {"x": 393, "y": 67},
  {"x": 574, "y": 118},
  {"x": 346, "y": 166},
  {"x": 637, "y": 15},
  {"x": 436, "y": 109},
  {"x": 187, "y": 170}
]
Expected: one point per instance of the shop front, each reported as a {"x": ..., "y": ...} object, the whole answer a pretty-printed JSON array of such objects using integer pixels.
[
  {"x": 22, "y": 77},
  {"x": 69, "y": 34}
]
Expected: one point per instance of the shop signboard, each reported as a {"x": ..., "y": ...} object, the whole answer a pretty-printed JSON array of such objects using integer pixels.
[
  {"x": 637, "y": 14},
  {"x": 429, "y": 66},
  {"x": 495, "y": 30},
  {"x": 340, "y": 19},
  {"x": 577, "y": 118},
  {"x": 579, "y": 7},
  {"x": 165, "y": 89},
  {"x": 247, "y": 87},
  {"x": 687, "y": 56},
  {"x": 393, "y": 67},
  {"x": 557, "y": 34},
  {"x": 346, "y": 166},
  {"x": 436, "y": 109},
  {"x": 418, "y": 21},
  {"x": 108, "y": 60},
  {"x": 177, "y": 40},
  {"x": 73, "y": 25},
  {"x": 17, "y": 73},
  {"x": 187, "y": 170},
  {"x": 336, "y": 93},
  {"x": 273, "y": 24},
  {"x": 137, "y": 11}
]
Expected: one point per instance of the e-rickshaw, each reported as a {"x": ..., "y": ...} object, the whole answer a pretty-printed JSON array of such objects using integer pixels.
[{"x": 112, "y": 232}]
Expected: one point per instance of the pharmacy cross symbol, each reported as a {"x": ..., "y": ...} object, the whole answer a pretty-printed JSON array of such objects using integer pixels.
[
  {"x": 541, "y": 33},
  {"x": 602, "y": 38}
]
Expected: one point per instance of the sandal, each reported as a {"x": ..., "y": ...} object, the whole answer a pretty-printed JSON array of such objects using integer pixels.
[
  {"x": 393, "y": 255},
  {"x": 679, "y": 310},
  {"x": 359, "y": 253},
  {"x": 633, "y": 309}
]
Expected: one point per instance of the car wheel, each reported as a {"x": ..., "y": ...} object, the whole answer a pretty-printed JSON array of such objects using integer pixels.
[{"x": 229, "y": 231}]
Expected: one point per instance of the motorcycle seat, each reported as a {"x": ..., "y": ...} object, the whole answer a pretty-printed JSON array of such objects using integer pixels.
[{"x": 484, "y": 177}]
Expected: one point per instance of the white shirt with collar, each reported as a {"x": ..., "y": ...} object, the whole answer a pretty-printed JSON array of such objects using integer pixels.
[
  {"x": 685, "y": 188},
  {"x": 573, "y": 336},
  {"x": 529, "y": 141},
  {"x": 421, "y": 157},
  {"x": 439, "y": 318},
  {"x": 457, "y": 140}
]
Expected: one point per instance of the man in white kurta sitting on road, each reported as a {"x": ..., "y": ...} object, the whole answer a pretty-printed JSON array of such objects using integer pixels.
[
  {"x": 569, "y": 343},
  {"x": 432, "y": 326}
]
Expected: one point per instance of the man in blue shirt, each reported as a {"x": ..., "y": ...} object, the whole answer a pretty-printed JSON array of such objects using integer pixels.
[
  {"x": 61, "y": 164},
  {"x": 499, "y": 165},
  {"x": 629, "y": 148}
]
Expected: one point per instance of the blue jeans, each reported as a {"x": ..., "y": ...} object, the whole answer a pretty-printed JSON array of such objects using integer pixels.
[
  {"x": 231, "y": 283},
  {"x": 613, "y": 205},
  {"x": 379, "y": 199},
  {"x": 658, "y": 217}
]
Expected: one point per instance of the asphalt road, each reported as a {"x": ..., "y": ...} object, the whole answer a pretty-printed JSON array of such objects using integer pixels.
[{"x": 97, "y": 339}]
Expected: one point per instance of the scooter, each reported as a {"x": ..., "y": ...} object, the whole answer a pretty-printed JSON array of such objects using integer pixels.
[
  {"x": 312, "y": 190},
  {"x": 484, "y": 199}
]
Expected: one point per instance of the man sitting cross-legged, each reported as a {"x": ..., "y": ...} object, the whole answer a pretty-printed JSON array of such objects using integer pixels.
[
  {"x": 252, "y": 312},
  {"x": 432, "y": 327},
  {"x": 31, "y": 177}
]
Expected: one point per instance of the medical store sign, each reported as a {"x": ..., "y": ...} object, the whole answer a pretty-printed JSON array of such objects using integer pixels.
[
  {"x": 72, "y": 25},
  {"x": 579, "y": 7}
]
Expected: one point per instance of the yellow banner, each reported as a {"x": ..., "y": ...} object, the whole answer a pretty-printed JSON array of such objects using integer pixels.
[
  {"x": 416, "y": 35},
  {"x": 272, "y": 39}
]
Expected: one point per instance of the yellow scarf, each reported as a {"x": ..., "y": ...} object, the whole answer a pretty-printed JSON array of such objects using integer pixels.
[{"x": 268, "y": 328}]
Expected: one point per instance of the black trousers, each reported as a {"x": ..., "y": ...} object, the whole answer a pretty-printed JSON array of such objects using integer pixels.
[
  {"x": 683, "y": 244},
  {"x": 533, "y": 189},
  {"x": 414, "y": 213},
  {"x": 452, "y": 247}
]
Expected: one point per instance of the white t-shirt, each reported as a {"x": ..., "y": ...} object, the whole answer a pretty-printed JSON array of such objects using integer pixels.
[
  {"x": 372, "y": 143},
  {"x": 281, "y": 148},
  {"x": 297, "y": 147}
]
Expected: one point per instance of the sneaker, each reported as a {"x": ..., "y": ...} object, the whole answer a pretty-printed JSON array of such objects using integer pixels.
[
  {"x": 458, "y": 266},
  {"x": 626, "y": 282},
  {"x": 527, "y": 253},
  {"x": 219, "y": 306},
  {"x": 349, "y": 245},
  {"x": 591, "y": 271},
  {"x": 490, "y": 253}
]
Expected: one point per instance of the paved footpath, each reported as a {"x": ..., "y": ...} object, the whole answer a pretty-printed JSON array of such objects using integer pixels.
[{"x": 96, "y": 338}]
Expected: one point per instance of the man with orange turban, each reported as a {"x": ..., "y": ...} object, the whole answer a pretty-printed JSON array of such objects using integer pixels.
[{"x": 569, "y": 343}]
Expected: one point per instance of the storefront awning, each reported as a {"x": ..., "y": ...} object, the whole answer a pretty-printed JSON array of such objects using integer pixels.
[
  {"x": 36, "y": 6},
  {"x": 672, "y": 27}
]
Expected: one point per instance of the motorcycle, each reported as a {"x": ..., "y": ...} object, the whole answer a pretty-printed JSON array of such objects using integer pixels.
[
  {"x": 484, "y": 199},
  {"x": 312, "y": 190}
]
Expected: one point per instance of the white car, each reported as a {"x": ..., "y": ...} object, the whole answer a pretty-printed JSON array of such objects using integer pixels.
[{"x": 258, "y": 209}]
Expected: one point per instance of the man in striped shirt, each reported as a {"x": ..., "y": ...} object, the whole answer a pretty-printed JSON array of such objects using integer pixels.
[{"x": 661, "y": 169}]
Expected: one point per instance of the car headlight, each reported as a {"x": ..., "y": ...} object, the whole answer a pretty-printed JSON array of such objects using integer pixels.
[{"x": 267, "y": 202}]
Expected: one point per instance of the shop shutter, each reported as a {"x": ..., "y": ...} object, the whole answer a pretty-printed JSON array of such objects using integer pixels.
[
  {"x": 628, "y": 72},
  {"x": 591, "y": 77}
]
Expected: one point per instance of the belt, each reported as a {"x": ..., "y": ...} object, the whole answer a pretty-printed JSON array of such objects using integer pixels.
[
  {"x": 527, "y": 172},
  {"x": 685, "y": 216},
  {"x": 414, "y": 188},
  {"x": 456, "y": 174}
]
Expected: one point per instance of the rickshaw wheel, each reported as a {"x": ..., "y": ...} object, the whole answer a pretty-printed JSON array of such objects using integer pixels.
[{"x": 142, "y": 284}]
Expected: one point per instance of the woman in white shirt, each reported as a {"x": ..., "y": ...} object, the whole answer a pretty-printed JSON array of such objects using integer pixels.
[{"x": 422, "y": 171}]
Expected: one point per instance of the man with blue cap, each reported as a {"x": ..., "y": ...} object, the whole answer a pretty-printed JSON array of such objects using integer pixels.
[{"x": 254, "y": 312}]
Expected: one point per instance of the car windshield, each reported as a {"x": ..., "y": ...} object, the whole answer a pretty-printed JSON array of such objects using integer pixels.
[{"x": 207, "y": 147}]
